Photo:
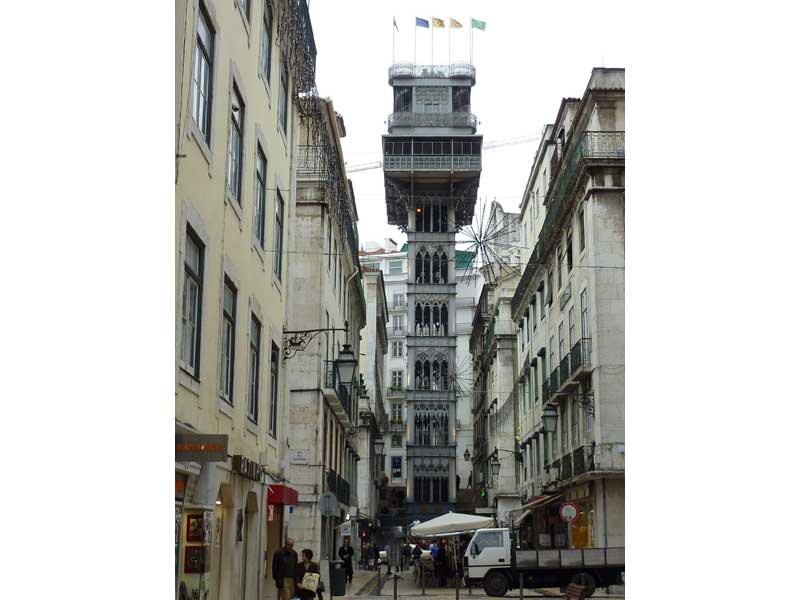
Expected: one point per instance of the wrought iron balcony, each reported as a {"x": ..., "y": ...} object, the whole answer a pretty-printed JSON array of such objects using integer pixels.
[
  {"x": 580, "y": 357},
  {"x": 443, "y": 162},
  {"x": 339, "y": 486},
  {"x": 413, "y": 71},
  {"x": 332, "y": 382},
  {"x": 310, "y": 160},
  {"x": 583, "y": 460},
  {"x": 545, "y": 391},
  {"x": 414, "y": 119},
  {"x": 566, "y": 467},
  {"x": 563, "y": 369},
  {"x": 554, "y": 384},
  {"x": 397, "y": 426},
  {"x": 396, "y": 393}
]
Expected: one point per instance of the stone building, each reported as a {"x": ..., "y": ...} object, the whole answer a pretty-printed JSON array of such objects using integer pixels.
[
  {"x": 570, "y": 305},
  {"x": 237, "y": 107},
  {"x": 327, "y": 294}
]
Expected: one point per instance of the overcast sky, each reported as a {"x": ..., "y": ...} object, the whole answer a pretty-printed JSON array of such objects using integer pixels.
[{"x": 531, "y": 55}]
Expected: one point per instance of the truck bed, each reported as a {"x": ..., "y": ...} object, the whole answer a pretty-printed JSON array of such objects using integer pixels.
[{"x": 584, "y": 557}]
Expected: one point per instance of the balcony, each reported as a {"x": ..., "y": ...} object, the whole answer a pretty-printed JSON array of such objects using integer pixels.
[
  {"x": 340, "y": 487},
  {"x": 552, "y": 386},
  {"x": 396, "y": 393},
  {"x": 563, "y": 369},
  {"x": 460, "y": 120},
  {"x": 566, "y": 467},
  {"x": 545, "y": 391},
  {"x": 583, "y": 460},
  {"x": 580, "y": 358},
  {"x": 414, "y": 71},
  {"x": 397, "y": 426},
  {"x": 399, "y": 305},
  {"x": 444, "y": 162},
  {"x": 339, "y": 392}
]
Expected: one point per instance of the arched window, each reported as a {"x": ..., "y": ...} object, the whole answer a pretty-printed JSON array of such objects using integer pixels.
[{"x": 444, "y": 320}]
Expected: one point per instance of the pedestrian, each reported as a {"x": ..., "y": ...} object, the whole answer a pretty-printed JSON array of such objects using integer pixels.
[
  {"x": 405, "y": 559},
  {"x": 306, "y": 565},
  {"x": 440, "y": 565},
  {"x": 417, "y": 552},
  {"x": 346, "y": 554},
  {"x": 284, "y": 565},
  {"x": 376, "y": 556}
]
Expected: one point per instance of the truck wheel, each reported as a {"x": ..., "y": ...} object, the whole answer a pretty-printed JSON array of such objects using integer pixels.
[
  {"x": 495, "y": 584},
  {"x": 587, "y": 581}
]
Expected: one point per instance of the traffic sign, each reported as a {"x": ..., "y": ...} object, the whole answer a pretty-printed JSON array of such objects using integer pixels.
[
  {"x": 346, "y": 528},
  {"x": 568, "y": 512},
  {"x": 328, "y": 505}
]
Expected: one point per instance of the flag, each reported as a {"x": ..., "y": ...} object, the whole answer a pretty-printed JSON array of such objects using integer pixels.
[
  {"x": 437, "y": 22},
  {"x": 478, "y": 24},
  {"x": 395, "y": 24},
  {"x": 454, "y": 24},
  {"x": 422, "y": 23}
]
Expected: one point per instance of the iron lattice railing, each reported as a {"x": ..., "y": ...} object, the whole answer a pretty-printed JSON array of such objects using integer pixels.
[
  {"x": 564, "y": 369},
  {"x": 580, "y": 355},
  {"x": 332, "y": 382},
  {"x": 414, "y": 119},
  {"x": 339, "y": 486},
  {"x": 411, "y": 70},
  {"x": 554, "y": 381},
  {"x": 445, "y": 162}
]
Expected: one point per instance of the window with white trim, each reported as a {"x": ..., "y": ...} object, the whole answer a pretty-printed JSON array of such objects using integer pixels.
[
  {"x": 278, "y": 260},
  {"x": 259, "y": 221},
  {"x": 254, "y": 368},
  {"x": 203, "y": 74},
  {"x": 273, "y": 396},
  {"x": 397, "y": 379},
  {"x": 235, "y": 145},
  {"x": 266, "y": 42},
  {"x": 228, "y": 341},
  {"x": 192, "y": 303},
  {"x": 283, "y": 98}
]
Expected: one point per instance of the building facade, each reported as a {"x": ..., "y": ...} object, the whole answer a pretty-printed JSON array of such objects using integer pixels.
[
  {"x": 373, "y": 420},
  {"x": 237, "y": 91},
  {"x": 432, "y": 163},
  {"x": 570, "y": 305},
  {"x": 327, "y": 294}
]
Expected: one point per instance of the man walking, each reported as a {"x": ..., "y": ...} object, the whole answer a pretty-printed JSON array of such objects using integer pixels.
[
  {"x": 406, "y": 556},
  {"x": 346, "y": 554},
  {"x": 284, "y": 565}
]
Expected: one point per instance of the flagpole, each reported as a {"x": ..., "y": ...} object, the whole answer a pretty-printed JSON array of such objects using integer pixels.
[
  {"x": 415, "y": 44},
  {"x": 432, "y": 28},
  {"x": 470, "y": 40},
  {"x": 393, "y": 26},
  {"x": 449, "y": 28}
]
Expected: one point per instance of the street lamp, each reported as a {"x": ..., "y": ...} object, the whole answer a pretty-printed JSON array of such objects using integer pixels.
[
  {"x": 550, "y": 419},
  {"x": 466, "y": 455},
  {"x": 377, "y": 445},
  {"x": 346, "y": 365},
  {"x": 495, "y": 464}
]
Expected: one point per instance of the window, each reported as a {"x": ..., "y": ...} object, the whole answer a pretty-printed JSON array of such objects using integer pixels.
[
  {"x": 330, "y": 245},
  {"x": 487, "y": 539},
  {"x": 395, "y": 267},
  {"x": 564, "y": 429},
  {"x": 283, "y": 99},
  {"x": 584, "y": 315},
  {"x": 559, "y": 266},
  {"x": 542, "y": 301},
  {"x": 192, "y": 304},
  {"x": 261, "y": 197},
  {"x": 245, "y": 6},
  {"x": 266, "y": 42},
  {"x": 399, "y": 300},
  {"x": 397, "y": 349},
  {"x": 533, "y": 311},
  {"x": 397, "y": 468},
  {"x": 203, "y": 75},
  {"x": 576, "y": 431},
  {"x": 561, "y": 340},
  {"x": 397, "y": 379},
  {"x": 397, "y": 411},
  {"x": 278, "y": 260},
  {"x": 397, "y": 323},
  {"x": 571, "y": 326},
  {"x": 550, "y": 287},
  {"x": 535, "y": 382},
  {"x": 569, "y": 252},
  {"x": 235, "y": 145},
  {"x": 228, "y": 341},
  {"x": 254, "y": 366},
  {"x": 273, "y": 396},
  {"x": 552, "y": 354},
  {"x": 581, "y": 231},
  {"x": 397, "y": 440}
]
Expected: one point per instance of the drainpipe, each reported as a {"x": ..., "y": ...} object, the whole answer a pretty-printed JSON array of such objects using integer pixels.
[{"x": 605, "y": 515}]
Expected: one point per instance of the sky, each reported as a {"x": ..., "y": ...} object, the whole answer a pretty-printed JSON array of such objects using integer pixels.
[{"x": 531, "y": 55}]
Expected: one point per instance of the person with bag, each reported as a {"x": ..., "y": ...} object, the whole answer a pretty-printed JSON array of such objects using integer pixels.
[
  {"x": 307, "y": 577},
  {"x": 284, "y": 563}
]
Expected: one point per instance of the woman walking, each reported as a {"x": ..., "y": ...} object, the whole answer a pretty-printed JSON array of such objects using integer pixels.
[{"x": 306, "y": 565}]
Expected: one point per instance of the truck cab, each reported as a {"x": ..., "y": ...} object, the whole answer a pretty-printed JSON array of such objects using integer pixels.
[{"x": 488, "y": 549}]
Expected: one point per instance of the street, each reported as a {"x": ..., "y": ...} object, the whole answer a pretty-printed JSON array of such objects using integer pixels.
[{"x": 365, "y": 586}]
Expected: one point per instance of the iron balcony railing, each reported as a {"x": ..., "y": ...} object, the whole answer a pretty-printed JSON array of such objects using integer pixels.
[
  {"x": 339, "y": 486},
  {"x": 444, "y": 162},
  {"x": 583, "y": 460},
  {"x": 545, "y": 391},
  {"x": 332, "y": 382},
  {"x": 566, "y": 466},
  {"x": 580, "y": 355},
  {"x": 408, "y": 70},
  {"x": 554, "y": 382},
  {"x": 396, "y": 393},
  {"x": 310, "y": 160},
  {"x": 400, "y": 304},
  {"x": 563, "y": 368},
  {"x": 414, "y": 119}
]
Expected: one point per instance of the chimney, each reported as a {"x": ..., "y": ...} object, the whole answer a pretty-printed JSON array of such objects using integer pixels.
[{"x": 389, "y": 245}]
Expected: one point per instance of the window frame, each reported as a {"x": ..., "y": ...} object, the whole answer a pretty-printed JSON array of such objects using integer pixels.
[
  {"x": 227, "y": 371},
  {"x": 254, "y": 367},
  {"x": 260, "y": 209},
  {"x": 274, "y": 369},
  {"x": 200, "y": 51},
  {"x": 235, "y": 159},
  {"x": 400, "y": 468},
  {"x": 582, "y": 229},
  {"x": 193, "y": 368},
  {"x": 265, "y": 55},
  {"x": 277, "y": 263},
  {"x": 283, "y": 98}
]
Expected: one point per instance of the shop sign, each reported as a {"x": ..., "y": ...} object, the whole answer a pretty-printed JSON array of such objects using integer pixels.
[
  {"x": 246, "y": 467},
  {"x": 200, "y": 447},
  {"x": 568, "y": 512},
  {"x": 347, "y": 528},
  {"x": 298, "y": 457},
  {"x": 270, "y": 512}
]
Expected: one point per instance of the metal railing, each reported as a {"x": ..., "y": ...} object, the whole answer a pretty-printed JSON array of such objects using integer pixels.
[
  {"x": 545, "y": 391},
  {"x": 411, "y": 70},
  {"x": 445, "y": 162},
  {"x": 398, "y": 305},
  {"x": 339, "y": 486},
  {"x": 450, "y": 119},
  {"x": 583, "y": 460},
  {"x": 310, "y": 160},
  {"x": 563, "y": 368},
  {"x": 566, "y": 467},
  {"x": 553, "y": 382},
  {"x": 580, "y": 355}
]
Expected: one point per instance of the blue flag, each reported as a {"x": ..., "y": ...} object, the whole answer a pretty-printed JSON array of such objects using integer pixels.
[{"x": 422, "y": 23}]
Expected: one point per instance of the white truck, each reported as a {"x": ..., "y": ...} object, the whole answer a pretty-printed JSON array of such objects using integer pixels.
[{"x": 493, "y": 561}]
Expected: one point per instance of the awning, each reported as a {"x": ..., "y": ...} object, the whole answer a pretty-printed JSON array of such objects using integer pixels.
[
  {"x": 517, "y": 514},
  {"x": 282, "y": 494},
  {"x": 516, "y": 520},
  {"x": 453, "y": 523}
]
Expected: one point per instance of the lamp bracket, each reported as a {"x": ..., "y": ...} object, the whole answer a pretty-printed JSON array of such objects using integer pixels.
[
  {"x": 295, "y": 341},
  {"x": 585, "y": 401}
]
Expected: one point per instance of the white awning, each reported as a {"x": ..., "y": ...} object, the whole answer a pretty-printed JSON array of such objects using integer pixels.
[
  {"x": 520, "y": 513},
  {"x": 451, "y": 523}
]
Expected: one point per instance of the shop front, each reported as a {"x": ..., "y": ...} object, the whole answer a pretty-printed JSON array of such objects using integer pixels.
[{"x": 281, "y": 500}]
